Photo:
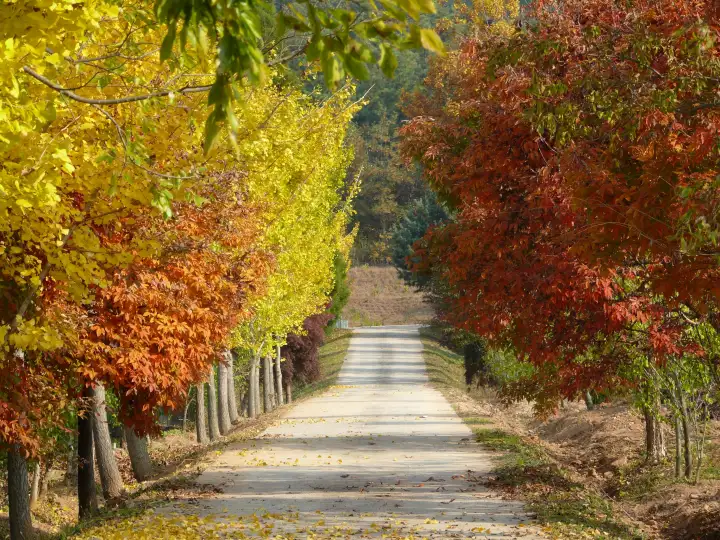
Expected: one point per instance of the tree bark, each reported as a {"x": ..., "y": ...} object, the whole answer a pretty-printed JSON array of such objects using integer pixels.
[
  {"x": 678, "y": 446},
  {"x": 258, "y": 390},
  {"x": 18, "y": 496},
  {"x": 213, "y": 406},
  {"x": 110, "y": 479},
  {"x": 268, "y": 383},
  {"x": 288, "y": 391},
  {"x": 687, "y": 444},
  {"x": 200, "y": 415},
  {"x": 685, "y": 419},
  {"x": 35, "y": 488},
  {"x": 232, "y": 397},
  {"x": 188, "y": 401},
  {"x": 45, "y": 478},
  {"x": 87, "y": 499},
  {"x": 278, "y": 378},
  {"x": 223, "y": 398},
  {"x": 589, "y": 401},
  {"x": 244, "y": 405},
  {"x": 654, "y": 437},
  {"x": 71, "y": 472},
  {"x": 253, "y": 390},
  {"x": 137, "y": 448}
]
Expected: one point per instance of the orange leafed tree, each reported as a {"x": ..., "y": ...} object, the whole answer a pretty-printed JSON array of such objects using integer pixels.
[{"x": 163, "y": 321}]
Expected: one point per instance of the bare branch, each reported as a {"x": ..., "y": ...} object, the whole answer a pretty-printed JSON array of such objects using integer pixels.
[{"x": 115, "y": 101}]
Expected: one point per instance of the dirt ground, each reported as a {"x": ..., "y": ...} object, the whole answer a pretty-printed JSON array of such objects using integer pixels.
[
  {"x": 602, "y": 449},
  {"x": 380, "y": 297}
]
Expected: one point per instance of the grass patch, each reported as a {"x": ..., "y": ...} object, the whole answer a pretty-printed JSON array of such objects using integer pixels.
[
  {"x": 563, "y": 507},
  {"x": 332, "y": 357}
]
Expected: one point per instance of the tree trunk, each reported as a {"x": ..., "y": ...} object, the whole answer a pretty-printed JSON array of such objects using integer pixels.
[
  {"x": 288, "y": 391},
  {"x": 18, "y": 496},
  {"x": 137, "y": 448},
  {"x": 589, "y": 401},
  {"x": 35, "y": 488},
  {"x": 232, "y": 398},
  {"x": 278, "y": 378},
  {"x": 252, "y": 392},
  {"x": 685, "y": 419},
  {"x": 258, "y": 389},
  {"x": 112, "y": 484},
  {"x": 45, "y": 478},
  {"x": 225, "y": 423},
  {"x": 267, "y": 383},
  {"x": 687, "y": 444},
  {"x": 188, "y": 401},
  {"x": 678, "y": 446},
  {"x": 213, "y": 406},
  {"x": 87, "y": 499},
  {"x": 71, "y": 472},
  {"x": 244, "y": 405},
  {"x": 654, "y": 437},
  {"x": 200, "y": 416}
]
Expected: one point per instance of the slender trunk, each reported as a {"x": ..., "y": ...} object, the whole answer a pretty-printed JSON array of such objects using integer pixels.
[
  {"x": 258, "y": 389},
  {"x": 701, "y": 450},
  {"x": 71, "y": 472},
  {"x": 654, "y": 437},
  {"x": 288, "y": 391},
  {"x": 112, "y": 484},
  {"x": 137, "y": 448},
  {"x": 267, "y": 383},
  {"x": 589, "y": 401},
  {"x": 686, "y": 434},
  {"x": 678, "y": 446},
  {"x": 45, "y": 477},
  {"x": 200, "y": 417},
  {"x": 87, "y": 499},
  {"x": 278, "y": 378},
  {"x": 252, "y": 392},
  {"x": 18, "y": 495},
  {"x": 244, "y": 405},
  {"x": 225, "y": 423},
  {"x": 188, "y": 401},
  {"x": 35, "y": 488},
  {"x": 213, "y": 406},
  {"x": 232, "y": 397}
]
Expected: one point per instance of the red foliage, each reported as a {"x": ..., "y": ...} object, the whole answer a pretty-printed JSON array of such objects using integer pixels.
[
  {"x": 579, "y": 155},
  {"x": 164, "y": 321},
  {"x": 301, "y": 352}
]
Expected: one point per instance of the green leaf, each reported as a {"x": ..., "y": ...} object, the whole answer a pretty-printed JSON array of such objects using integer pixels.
[
  {"x": 388, "y": 60},
  {"x": 167, "y": 43},
  {"x": 356, "y": 68},
  {"x": 431, "y": 41}
]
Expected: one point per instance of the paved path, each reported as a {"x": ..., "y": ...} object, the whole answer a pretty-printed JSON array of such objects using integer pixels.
[{"x": 381, "y": 453}]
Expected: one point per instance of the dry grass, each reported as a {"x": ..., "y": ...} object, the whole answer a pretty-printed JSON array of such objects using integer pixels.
[{"x": 380, "y": 297}]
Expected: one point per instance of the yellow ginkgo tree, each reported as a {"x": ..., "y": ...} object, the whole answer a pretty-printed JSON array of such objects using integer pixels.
[{"x": 301, "y": 181}]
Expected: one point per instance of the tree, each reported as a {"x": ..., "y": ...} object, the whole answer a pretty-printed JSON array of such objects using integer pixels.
[
  {"x": 201, "y": 415},
  {"x": 572, "y": 242},
  {"x": 223, "y": 399},
  {"x": 419, "y": 216},
  {"x": 110, "y": 478},
  {"x": 340, "y": 293},
  {"x": 301, "y": 353},
  {"x": 137, "y": 447}
]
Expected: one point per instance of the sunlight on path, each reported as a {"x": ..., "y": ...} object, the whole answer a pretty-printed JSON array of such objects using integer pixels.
[{"x": 381, "y": 454}]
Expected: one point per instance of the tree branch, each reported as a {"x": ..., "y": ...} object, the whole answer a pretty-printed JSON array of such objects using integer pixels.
[{"x": 115, "y": 101}]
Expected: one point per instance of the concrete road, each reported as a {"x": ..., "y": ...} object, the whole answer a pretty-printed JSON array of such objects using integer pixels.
[{"x": 382, "y": 453}]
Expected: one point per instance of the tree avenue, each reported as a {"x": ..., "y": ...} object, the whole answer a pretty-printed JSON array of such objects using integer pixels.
[
  {"x": 580, "y": 154},
  {"x": 144, "y": 235}
]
